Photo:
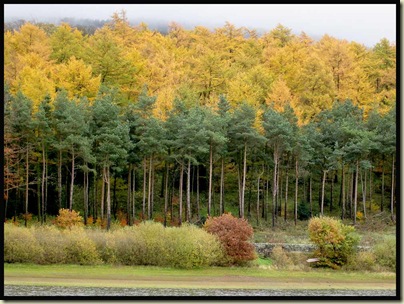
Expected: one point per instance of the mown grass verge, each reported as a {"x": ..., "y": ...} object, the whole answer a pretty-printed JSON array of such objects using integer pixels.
[{"x": 208, "y": 277}]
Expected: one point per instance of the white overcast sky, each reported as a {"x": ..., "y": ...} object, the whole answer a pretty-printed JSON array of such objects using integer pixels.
[{"x": 364, "y": 23}]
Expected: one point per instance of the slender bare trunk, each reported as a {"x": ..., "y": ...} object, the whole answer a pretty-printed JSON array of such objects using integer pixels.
[
  {"x": 210, "y": 180},
  {"x": 188, "y": 217},
  {"x": 343, "y": 193},
  {"x": 363, "y": 186},
  {"x": 149, "y": 191},
  {"x": 144, "y": 189},
  {"x": 274, "y": 189},
  {"x": 221, "y": 204},
  {"x": 356, "y": 191},
  {"x": 370, "y": 190},
  {"x": 129, "y": 197},
  {"x": 198, "y": 210},
  {"x": 180, "y": 192},
  {"x": 323, "y": 192},
  {"x": 382, "y": 200},
  {"x": 286, "y": 193},
  {"x": 72, "y": 182},
  {"x": 43, "y": 183},
  {"x": 26, "y": 186},
  {"x": 392, "y": 190},
  {"x": 296, "y": 189},
  {"x": 311, "y": 196},
  {"x": 166, "y": 195},
  {"x": 102, "y": 192},
  {"x": 108, "y": 181},
  {"x": 133, "y": 195},
  {"x": 244, "y": 179},
  {"x": 60, "y": 179}
]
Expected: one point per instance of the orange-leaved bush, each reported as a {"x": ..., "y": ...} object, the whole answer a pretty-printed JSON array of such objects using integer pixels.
[
  {"x": 67, "y": 218},
  {"x": 234, "y": 235}
]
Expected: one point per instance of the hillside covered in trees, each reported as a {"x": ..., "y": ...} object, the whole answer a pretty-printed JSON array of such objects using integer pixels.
[{"x": 130, "y": 124}]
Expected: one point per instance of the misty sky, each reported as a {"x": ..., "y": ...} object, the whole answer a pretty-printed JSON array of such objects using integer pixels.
[{"x": 364, "y": 23}]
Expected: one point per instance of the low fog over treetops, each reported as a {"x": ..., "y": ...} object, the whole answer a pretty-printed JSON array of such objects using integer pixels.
[{"x": 366, "y": 23}]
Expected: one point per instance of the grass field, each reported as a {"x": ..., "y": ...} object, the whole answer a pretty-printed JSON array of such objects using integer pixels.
[{"x": 212, "y": 277}]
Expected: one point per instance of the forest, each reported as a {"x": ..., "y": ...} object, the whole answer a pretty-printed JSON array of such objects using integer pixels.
[{"x": 128, "y": 124}]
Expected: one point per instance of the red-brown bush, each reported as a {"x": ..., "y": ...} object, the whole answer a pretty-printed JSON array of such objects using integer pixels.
[{"x": 234, "y": 234}]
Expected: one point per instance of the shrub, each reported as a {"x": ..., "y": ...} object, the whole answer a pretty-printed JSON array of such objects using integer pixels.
[
  {"x": 386, "y": 253},
  {"x": 104, "y": 242},
  {"x": 335, "y": 241},
  {"x": 68, "y": 219},
  {"x": 20, "y": 245},
  {"x": 234, "y": 235},
  {"x": 363, "y": 261},
  {"x": 53, "y": 244},
  {"x": 280, "y": 258},
  {"x": 189, "y": 246},
  {"x": 80, "y": 249}
]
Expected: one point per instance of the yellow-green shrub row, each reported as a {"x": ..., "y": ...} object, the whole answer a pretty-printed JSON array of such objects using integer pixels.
[{"x": 146, "y": 244}]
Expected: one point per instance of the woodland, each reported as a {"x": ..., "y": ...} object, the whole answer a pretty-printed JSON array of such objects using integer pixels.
[{"x": 125, "y": 124}]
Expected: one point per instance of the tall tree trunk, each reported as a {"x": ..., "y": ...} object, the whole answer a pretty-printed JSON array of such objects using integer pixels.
[
  {"x": 38, "y": 192},
  {"x": 210, "y": 180},
  {"x": 286, "y": 193},
  {"x": 95, "y": 207},
  {"x": 343, "y": 193},
  {"x": 188, "y": 217},
  {"x": 296, "y": 188},
  {"x": 221, "y": 204},
  {"x": 60, "y": 179},
  {"x": 363, "y": 186},
  {"x": 72, "y": 183},
  {"x": 103, "y": 192},
  {"x": 351, "y": 209},
  {"x": 152, "y": 191},
  {"x": 392, "y": 190},
  {"x": 108, "y": 182},
  {"x": 149, "y": 191},
  {"x": 129, "y": 197},
  {"x": 244, "y": 179},
  {"x": 323, "y": 192},
  {"x": 382, "y": 200},
  {"x": 274, "y": 190},
  {"x": 311, "y": 195},
  {"x": 114, "y": 200},
  {"x": 46, "y": 188},
  {"x": 85, "y": 194},
  {"x": 239, "y": 189},
  {"x": 332, "y": 189},
  {"x": 134, "y": 195},
  {"x": 144, "y": 189},
  {"x": 198, "y": 210},
  {"x": 180, "y": 192},
  {"x": 43, "y": 183},
  {"x": 370, "y": 189},
  {"x": 26, "y": 186},
  {"x": 166, "y": 194},
  {"x": 267, "y": 198},
  {"x": 356, "y": 191}
]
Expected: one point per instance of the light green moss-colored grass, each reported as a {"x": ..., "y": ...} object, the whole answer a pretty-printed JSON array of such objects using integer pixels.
[{"x": 212, "y": 277}]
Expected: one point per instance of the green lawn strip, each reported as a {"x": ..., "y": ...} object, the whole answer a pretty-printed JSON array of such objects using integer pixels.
[{"x": 213, "y": 277}]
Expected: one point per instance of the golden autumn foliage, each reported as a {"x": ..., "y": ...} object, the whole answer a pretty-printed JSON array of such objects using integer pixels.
[{"x": 198, "y": 65}]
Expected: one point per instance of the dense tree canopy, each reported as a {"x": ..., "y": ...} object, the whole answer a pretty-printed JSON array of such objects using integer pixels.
[{"x": 230, "y": 111}]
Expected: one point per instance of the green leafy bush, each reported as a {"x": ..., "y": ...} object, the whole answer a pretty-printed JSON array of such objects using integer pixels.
[
  {"x": 303, "y": 211},
  {"x": 20, "y": 245},
  {"x": 234, "y": 234},
  {"x": 386, "y": 253},
  {"x": 335, "y": 241}
]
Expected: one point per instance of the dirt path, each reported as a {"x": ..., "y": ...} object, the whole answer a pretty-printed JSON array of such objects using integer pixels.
[{"x": 228, "y": 282}]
